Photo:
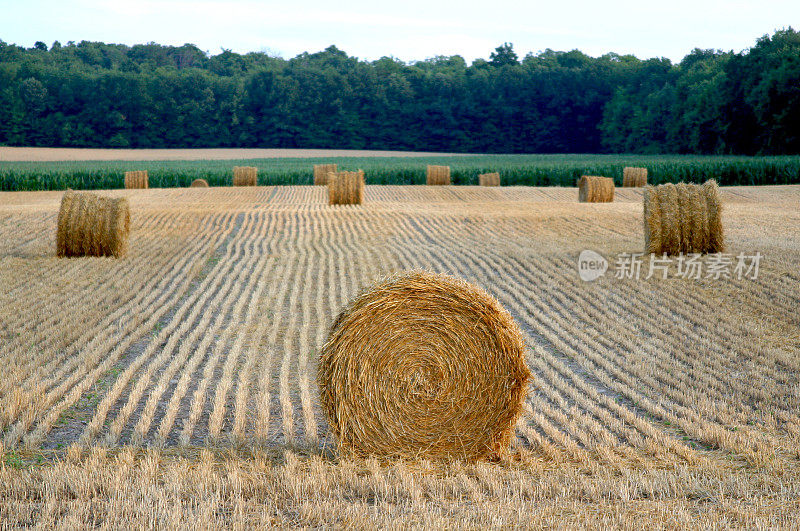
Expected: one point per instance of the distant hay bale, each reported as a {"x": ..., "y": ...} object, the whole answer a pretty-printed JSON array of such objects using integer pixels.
[
  {"x": 423, "y": 365},
  {"x": 321, "y": 172},
  {"x": 92, "y": 225},
  {"x": 634, "y": 177},
  {"x": 438, "y": 175},
  {"x": 199, "y": 183},
  {"x": 136, "y": 179},
  {"x": 245, "y": 176},
  {"x": 592, "y": 189},
  {"x": 346, "y": 187},
  {"x": 489, "y": 179},
  {"x": 683, "y": 218}
]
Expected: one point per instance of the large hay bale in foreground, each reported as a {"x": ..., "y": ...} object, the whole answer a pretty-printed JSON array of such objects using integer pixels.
[
  {"x": 245, "y": 176},
  {"x": 592, "y": 189},
  {"x": 438, "y": 175},
  {"x": 634, "y": 177},
  {"x": 199, "y": 183},
  {"x": 683, "y": 218},
  {"x": 489, "y": 179},
  {"x": 92, "y": 225},
  {"x": 136, "y": 179},
  {"x": 423, "y": 365},
  {"x": 321, "y": 172},
  {"x": 346, "y": 187}
]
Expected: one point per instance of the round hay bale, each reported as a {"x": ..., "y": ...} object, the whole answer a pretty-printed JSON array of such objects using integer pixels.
[
  {"x": 199, "y": 183},
  {"x": 321, "y": 172},
  {"x": 438, "y": 175},
  {"x": 423, "y": 365},
  {"x": 634, "y": 177},
  {"x": 716, "y": 236},
  {"x": 92, "y": 225},
  {"x": 489, "y": 179},
  {"x": 683, "y": 218},
  {"x": 245, "y": 176},
  {"x": 136, "y": 179},
  {"x": 346, "y": 188},
  {"x": 592, "y": 189}
]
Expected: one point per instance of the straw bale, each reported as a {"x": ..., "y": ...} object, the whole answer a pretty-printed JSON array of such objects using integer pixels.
[
  {"x": 438, "y": 175},
  {"x": 634, "y": 177},
  {"x": 423, "y": 365},
  {"x": 683, "y": 218},
  {"x": 346, "y": 187},
  {"x": 245, "y": 176},
  {"x": 136, "y": 179},
  {"x": 92, "y": 225},
  {"x": 592, "y": 189},
  {"x": 489, "y": 179},
  {"x": 321, "y": 172}
]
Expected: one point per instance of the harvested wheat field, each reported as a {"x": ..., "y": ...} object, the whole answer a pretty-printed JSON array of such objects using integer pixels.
[{"x": 177, "y": 386}]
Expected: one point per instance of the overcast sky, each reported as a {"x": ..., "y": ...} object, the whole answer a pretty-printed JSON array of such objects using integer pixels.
[{"x": 408, "y": 30}]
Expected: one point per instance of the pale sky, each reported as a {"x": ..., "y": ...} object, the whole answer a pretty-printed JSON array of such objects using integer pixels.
[{"x": 409, "y": 30}]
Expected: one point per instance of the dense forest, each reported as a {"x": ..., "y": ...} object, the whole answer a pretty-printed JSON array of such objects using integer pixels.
[{"x": 92, "y": 94}]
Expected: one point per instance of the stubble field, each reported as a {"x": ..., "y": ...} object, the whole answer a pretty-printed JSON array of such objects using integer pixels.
[{"x": 177, "y": 385}]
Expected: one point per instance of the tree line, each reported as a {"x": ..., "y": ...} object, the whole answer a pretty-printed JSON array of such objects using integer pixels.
[{"x": 92, "y": 94}]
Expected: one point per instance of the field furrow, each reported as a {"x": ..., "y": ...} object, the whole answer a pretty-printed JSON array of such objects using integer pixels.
[{"x": 208, "y": 332}]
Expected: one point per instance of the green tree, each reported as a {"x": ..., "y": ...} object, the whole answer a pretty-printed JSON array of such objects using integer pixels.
[
  {"x": 150, "y": 95},
  {"x": 504, "y": 55}
]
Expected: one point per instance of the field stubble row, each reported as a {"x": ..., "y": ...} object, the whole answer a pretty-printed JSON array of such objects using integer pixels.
[
  {"x": 209, "y": 330},
  {"x": 207, "y": 334}
]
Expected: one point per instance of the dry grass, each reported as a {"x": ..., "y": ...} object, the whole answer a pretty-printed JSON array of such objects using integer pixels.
[
  {"x": 245, "y": 176},
  {"x": 199, "y": 183},
  {"x": 136, "y": 179},
  {"x": 438, "y": 175},
  {"x": 423, "y": 366},
  {"x": 321, "y": 172},
  {"x": 489, "y": 179},
  {"x": 634, "y": 177},
  {"x": 92, "y": 225},
  {"x": 683, "y": 218},
  {"x": 592, "y": 189},
  {"x": 139, "y": 489},
  {"x": 346, "y": 188},
  {"x": 677, "y": 414}
]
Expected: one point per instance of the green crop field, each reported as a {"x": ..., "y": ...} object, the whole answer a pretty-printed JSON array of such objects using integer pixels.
[{"x": 527, "y": 170}]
